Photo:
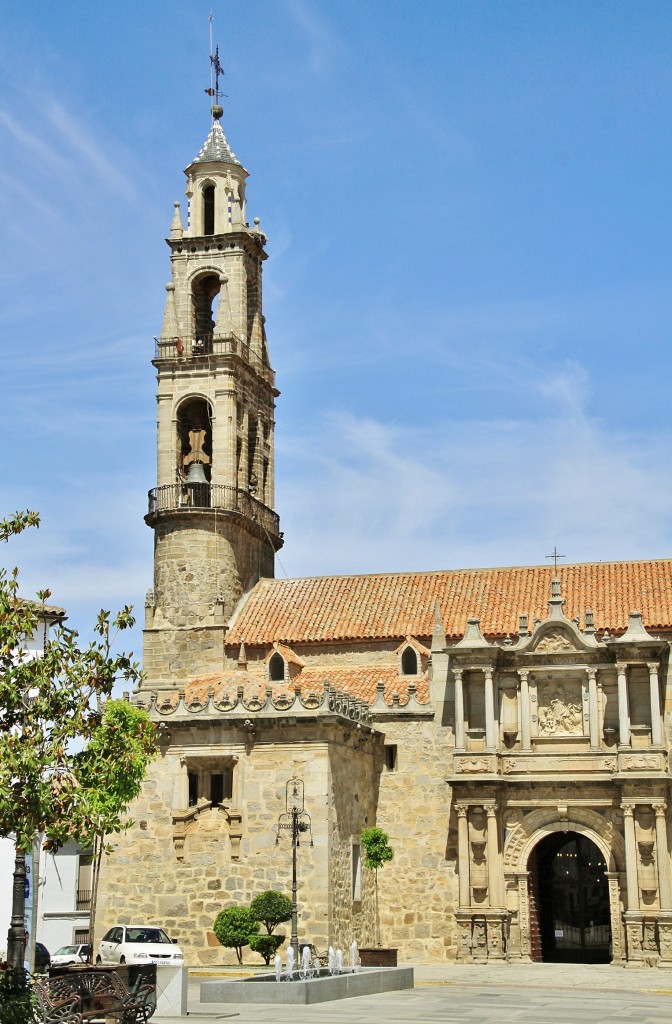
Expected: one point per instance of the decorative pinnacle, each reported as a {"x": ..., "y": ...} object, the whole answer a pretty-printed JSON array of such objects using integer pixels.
[{"x": 216, "y": 70}]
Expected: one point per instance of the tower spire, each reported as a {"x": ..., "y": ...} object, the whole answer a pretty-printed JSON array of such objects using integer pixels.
[{"x": 216, "y": 70}]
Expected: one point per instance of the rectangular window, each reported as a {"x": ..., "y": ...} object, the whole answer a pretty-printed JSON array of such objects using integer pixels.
[
  {"x": 80, "y": 936},
  {"x": 391, "y": 757},
  {"x": 356, "y": 872},
  {"x": 193, "y": 789},
  {"x": 84, "y": 882}
]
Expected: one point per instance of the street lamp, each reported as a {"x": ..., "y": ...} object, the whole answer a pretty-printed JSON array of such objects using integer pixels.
[{"x": 295, "y": 821}]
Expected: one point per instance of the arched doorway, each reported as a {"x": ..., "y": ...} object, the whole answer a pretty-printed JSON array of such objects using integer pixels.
[{"x": 568, "y": 879}]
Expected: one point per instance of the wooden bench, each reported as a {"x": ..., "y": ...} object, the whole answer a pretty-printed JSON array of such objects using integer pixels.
[{"x": 90, "y": 995}]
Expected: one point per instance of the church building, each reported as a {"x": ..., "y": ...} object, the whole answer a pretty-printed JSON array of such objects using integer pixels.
[{"x": 508, "y": 728}]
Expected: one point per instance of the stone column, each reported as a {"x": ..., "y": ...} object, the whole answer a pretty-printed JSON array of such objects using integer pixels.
[
  {"x": 623, "y": 715},
  {"x": 618, "y": 952},
  {"x": 630, "y": 856},
  {"x": 463, "y": 854},
  {"x": 183, "y": 785},
  {"x": 493, "y": 858},
  {"x": 524, "y": 710},
  {"x": 490, "y": 741},
  {"x": 593, "y": 714},
  {"x": 459, "y": 709},
  {"x": 656, "y": 724},
  {"x": 662, "y": 859}
]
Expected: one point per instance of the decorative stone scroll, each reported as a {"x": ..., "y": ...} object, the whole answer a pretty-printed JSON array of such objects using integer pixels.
[
  {"x": 640, "y": 762},
  {"x": 472, "y": 765}
]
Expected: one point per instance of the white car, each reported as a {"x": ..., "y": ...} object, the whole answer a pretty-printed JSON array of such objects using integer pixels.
[
  {"x": 139, "y": 944},
  {"x": 70, "y": 955}
]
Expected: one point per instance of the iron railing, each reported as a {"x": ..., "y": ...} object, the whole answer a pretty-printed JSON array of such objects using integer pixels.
[
  {"x": 171, "y": 497},
  {"x": 208, "y": 345},
  {"x": 83, "y": 899}
]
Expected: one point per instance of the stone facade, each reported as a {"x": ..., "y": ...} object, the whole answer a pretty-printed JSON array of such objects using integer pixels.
[{"x": 518, "y": 771}]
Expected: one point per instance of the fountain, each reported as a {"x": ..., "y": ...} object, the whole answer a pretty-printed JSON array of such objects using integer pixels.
[
  {"x": 355, "y": 959},
  {"x": 290, "y": 963},
  {"x": 310, "y": 983}
]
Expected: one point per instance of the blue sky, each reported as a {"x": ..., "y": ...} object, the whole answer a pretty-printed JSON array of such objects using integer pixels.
[{"x": 467, "y": 295}]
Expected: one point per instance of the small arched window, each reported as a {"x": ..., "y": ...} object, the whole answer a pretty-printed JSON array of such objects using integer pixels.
[
  {"x": 276, "y": 668},
  {"x": 409, "y": 662},
  {"x": 209, "y": 210}
]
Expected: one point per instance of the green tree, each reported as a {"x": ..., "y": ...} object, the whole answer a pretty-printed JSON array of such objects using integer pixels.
[
  {"x": 54, "y": 723},
  {"x": 234, "y": 926},
  {"x": 377, "y": 852},
  {"x": 271, "y": 908},
  {"x": 111, "y": 768}
]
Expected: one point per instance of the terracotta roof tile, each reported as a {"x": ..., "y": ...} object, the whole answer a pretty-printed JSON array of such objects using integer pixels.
[
  {"x": 357, "y": 681},
  {"x": 396, "y": 605}
]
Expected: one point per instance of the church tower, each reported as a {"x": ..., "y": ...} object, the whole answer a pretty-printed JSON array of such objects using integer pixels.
[{"x": 215, "y": 531}]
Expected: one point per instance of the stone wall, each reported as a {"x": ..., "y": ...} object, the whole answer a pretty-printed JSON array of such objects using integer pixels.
[
  {"x": 180, "y": 873},
  {"x": 418, "y": 888},
  {"x": 201, "y": 568}
]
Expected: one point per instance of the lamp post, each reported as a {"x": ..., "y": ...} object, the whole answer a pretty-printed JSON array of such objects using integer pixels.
[{"x": 295, "y": 821}]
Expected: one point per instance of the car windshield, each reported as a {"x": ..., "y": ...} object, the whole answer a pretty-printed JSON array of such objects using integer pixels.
[
  {"x": 147, "y": 935},
  {"x": 66, "y": 950}
]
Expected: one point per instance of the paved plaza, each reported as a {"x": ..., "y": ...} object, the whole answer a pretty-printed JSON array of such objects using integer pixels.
[{"x": 479, "y": 994}]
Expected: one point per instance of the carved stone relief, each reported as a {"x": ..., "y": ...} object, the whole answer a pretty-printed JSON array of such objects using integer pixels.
[
  {"x": 640, "y": 762},
  {"x": 560, "y": 710},
  {"x": 555, "y": 641}
]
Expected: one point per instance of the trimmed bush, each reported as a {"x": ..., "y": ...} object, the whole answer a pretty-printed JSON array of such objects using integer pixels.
[
  {"x": 266, "y": 945},
  {"x": 271, "y": 908},
  {"x": 234, "y": 927}
]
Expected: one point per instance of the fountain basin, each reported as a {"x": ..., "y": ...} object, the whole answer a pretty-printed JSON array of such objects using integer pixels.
[{"x": 263, "y": 988}]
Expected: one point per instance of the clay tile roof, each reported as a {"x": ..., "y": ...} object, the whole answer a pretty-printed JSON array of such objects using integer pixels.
[
  {"x": 288, "y": 654},
  {"x": 396, "y": 605},
  {"x": 357, "y": 681}
]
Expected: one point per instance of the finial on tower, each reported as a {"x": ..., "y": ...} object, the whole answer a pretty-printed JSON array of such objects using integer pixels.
[{"x": 216, "y": 70}]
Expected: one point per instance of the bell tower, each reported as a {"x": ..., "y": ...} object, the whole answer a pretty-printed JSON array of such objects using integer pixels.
[{"x": 215, "y": 531}]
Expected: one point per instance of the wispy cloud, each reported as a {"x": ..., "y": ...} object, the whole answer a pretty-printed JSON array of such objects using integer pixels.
[
  {"x": 459, "y": 492},
  {"x": 325, "y": 45}
]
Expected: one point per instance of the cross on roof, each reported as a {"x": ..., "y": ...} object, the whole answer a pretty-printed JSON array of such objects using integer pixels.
[{"x": 555, "y": 555}]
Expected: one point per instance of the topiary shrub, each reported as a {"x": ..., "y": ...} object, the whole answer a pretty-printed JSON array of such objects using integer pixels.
[
  {"x": 266, "y": 945},
  {"x": 271, "y": 908},
  {"x": 234, "y": 927}
]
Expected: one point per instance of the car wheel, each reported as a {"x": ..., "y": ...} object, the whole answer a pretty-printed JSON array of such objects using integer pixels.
[
  {"x": 122, "y": 959},
  {"x": 99, "y": 959}
]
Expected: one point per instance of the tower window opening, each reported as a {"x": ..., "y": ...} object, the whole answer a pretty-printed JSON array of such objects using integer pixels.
[
  {"x": 204, "y": 293},
  {"x": 409, "y": 662},
  {"x": 276, "y": 668},
  {"x": 209, "y": 210},
  {"x": 194, "y": 449},
  {"x": 252, "y": 481}
]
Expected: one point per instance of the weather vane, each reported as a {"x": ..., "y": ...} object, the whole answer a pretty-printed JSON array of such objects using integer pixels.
[
  {"x": 555, "y": 556},
  {"x": 216, "y": 70}
]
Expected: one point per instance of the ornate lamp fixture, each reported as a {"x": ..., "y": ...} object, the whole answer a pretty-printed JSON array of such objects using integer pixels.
[{"x": 295, "y": 821}]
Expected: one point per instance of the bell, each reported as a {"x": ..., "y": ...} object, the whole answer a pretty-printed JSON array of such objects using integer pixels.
[{"x": 196, "y": 474}]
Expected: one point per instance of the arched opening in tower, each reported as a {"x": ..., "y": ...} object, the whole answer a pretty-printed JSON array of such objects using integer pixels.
[
  {"x": 205, "y": 291},
  {"x": 209, "y": 210},
  {"x": 194, "y": 449}
]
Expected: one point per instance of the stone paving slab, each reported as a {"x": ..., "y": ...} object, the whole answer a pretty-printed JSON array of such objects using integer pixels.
[{"x": 480, "y": 994}]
